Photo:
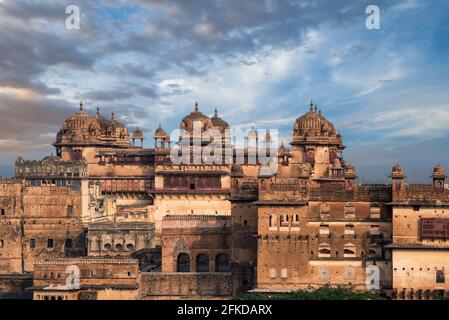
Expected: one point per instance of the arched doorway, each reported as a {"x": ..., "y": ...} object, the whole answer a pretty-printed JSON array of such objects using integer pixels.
[
  {"x": 202, "y": 263},
  {"x": 183, "y": 263}
]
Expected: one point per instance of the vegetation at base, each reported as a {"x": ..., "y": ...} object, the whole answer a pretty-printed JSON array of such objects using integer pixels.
[{"x": 324, "y": 293}]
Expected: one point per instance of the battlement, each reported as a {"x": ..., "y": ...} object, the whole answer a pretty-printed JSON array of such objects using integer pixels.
[
  {"x": 50, "y": 167},
  {"x": 195, "y": 217},
  {"x": 424, "y": 192},
  {"x": 10, "y": 180},
  {"x": 89, "y": 260},
  {"x": 121, "y": 226}
]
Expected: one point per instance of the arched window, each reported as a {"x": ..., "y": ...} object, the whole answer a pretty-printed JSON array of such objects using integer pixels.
[
  {"x": 108, "y": 247},
  {"x": 349, "y": 251},
  {"x": 324, "y": 250},
  {"x": 324, "y": 253},
  {"x": 130, "y": 247},
  {"x": 118, "y": 247},
  {"x": 222, "y": 263},
  {"x": 202, "y": 263},
  {"x": 183, "y": 263}
]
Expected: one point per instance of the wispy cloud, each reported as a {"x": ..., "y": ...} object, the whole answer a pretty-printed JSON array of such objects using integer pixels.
[{"x": 259, "y": 62}]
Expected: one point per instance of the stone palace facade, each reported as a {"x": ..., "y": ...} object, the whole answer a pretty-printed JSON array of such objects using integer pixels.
[{"x": 106, "y": 218}]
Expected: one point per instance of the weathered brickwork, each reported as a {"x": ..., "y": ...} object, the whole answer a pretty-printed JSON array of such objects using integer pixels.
[
  {"x": 420, "y": 236},
  {"x": 184, "y": 286},
  {"x": 99, "y": 278},
  {"x": 11, "y": 235}
]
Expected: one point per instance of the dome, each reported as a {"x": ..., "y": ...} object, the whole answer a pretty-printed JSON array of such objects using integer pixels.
[
  {"x": 102, "y": 121},
  {"x": 313, "y": 124},
  {"x": 219, "y": 123},
  {"x": 80, "y": 121},
  {"x": 137, "y": 134},
  {"x": 439, "y": 171},
  {"x": 114, "y": 124},
  {"x": 196, "y": 116},
  {"x": 116, "y": 128},
  {"x": 252, "y": 134},
  {"x": 160, "y": 133}
]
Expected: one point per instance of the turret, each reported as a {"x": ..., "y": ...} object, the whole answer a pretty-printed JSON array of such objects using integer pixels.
[
  {"x": 350, "y": 177},
  {"x": 439, "y": 177},
  {"x": 137, "y": 135}
]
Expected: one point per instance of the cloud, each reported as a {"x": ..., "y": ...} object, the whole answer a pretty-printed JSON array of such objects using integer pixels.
[
  {"x": 148, "y": 91},
  {"x": 29, "y": 124},
  {"x": 108, "y": 95},
  {"x": 258, "y": 61}
]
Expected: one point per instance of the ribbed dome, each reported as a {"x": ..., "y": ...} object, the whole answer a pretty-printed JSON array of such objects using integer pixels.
[
  {"x": 196, "y": 116},
  {"x": 102, "y": 121},
  {"x": 114, "y": 124},
  {"x": 79, "y": 121},
  {"x": 81, "y": 128},
  {"x": 219, "y": 123},
  {"x": 313, "y": 124}
]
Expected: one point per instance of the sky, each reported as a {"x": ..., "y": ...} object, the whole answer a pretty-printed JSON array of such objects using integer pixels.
[{"x": 259, "y": 62}]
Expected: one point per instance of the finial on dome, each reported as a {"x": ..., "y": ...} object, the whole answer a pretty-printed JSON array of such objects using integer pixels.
[
  {"x": 81, "y": 105},
  {"x": 196, "y": 106},
  {"x": 216, "y": 112},
  {"x": 98, "y": 110},
  {"x": 113, "y": 116},
  {"x": 311, "y": 105}
]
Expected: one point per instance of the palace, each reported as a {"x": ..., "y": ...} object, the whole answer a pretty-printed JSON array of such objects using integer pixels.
[{"x": 106, "y": 218}]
